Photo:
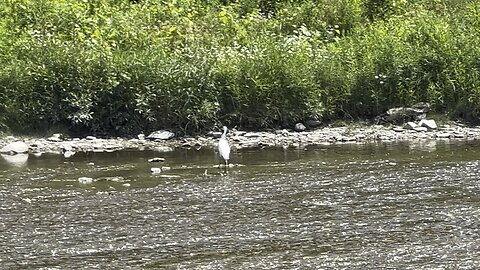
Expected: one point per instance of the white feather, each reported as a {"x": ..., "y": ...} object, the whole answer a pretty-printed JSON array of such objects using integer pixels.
[{"x": 223, "y": 146}]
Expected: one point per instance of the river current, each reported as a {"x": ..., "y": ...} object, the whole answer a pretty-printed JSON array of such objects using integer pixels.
[{"x": 350, "y": 206}]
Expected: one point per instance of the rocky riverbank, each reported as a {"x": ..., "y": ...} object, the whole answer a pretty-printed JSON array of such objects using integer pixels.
[{"x": 411, "y": 131}]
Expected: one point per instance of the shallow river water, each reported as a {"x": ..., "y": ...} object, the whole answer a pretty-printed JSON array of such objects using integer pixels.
[{"x": 370, "y": 206}]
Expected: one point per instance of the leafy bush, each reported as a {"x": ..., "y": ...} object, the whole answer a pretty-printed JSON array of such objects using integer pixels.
[{"x": 120, "y": 67}]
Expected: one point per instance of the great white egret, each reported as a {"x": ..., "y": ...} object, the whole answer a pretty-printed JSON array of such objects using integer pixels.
[{"x": 224, "y": 147}]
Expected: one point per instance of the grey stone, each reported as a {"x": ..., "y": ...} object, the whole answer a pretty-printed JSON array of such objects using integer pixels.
[
  {"x": 360, "y": 137},
  {"x": 15, "y": 148},
  {"x": 430, "y": 124},
  {"x": 67, "y": 147},
  {"x": 54, "y": 138},
  {"x": 161, "y": 135},
  {"x": 91, "y": 138},
  {"x": 283, "y": 132},
  {"x": 251, "y": 135},
  {"x": 68, "y": 154},
  {"x": 163, "y": 149},
  {"x": 398, "y": 129},
  {"x": 141, "y": 136},
  {"x": 300, "y": 127},
  {"x": 156, "y": 159},
  {"x": 410, "y": 125},
  {"x": 155, "y": 170},
  {"x": 443, "y": 135},
  {"x": 349, "y": 139},
  {"x": 416, "y": 112},
  {"x": 85, "y": 180},
  {"x": 17, "y": 160},
  {"x": 238, "y": 133},
  {"x": 420, "y": 129},
  {"x": 215, "y": 134}
]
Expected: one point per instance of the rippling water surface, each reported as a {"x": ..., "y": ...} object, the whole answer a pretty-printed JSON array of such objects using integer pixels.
[{"x": 408, "y": 206}]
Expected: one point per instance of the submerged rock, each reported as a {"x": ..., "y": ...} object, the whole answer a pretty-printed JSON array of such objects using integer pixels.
[
  {"x": 156, "y": 159},
  {"x": 155, "y": 170},
  {"x": 17, "y": 160},
  {"x": 85, "y": 180},
  {"x": 69, "y": 154},
  {"x": 15, "y": 148}
]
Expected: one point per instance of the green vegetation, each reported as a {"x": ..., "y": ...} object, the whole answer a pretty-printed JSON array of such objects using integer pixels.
[{"x": 119, "y": 67}]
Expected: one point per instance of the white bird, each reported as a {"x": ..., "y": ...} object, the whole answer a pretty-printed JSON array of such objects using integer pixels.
[{"x": 224, "y": 147}]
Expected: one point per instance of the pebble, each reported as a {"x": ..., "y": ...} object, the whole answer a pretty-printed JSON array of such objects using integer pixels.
[
  {"x": 420, "y": 129},
  {"x": 155, "y": 170},
  {"x": 85, "y": 180}
]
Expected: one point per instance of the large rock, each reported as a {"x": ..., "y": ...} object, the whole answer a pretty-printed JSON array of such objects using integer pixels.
[
  {"x": 161, "y": 135},
  {"x": 15, "y": 148},
  {"x": 300, "y": 127},
  {"x": 402, "y": 114},
  {"x": 430, "y": 124}
]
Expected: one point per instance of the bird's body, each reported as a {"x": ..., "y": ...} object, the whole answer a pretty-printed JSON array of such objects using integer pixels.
[{"x": 224, "y": 147}]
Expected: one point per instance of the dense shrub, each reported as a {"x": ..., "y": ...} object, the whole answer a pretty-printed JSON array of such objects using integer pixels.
[{"x": 120, "y": 67}]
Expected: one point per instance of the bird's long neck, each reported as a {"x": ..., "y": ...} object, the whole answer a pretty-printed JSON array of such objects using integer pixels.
[{"x": 224, "y": 135}]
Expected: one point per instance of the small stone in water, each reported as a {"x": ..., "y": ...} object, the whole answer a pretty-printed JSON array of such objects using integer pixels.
[
  {"x": 156, "y": 159},
  {"x": 155, "y": 170},
  {"x": 68, "y": 154},
  {"x": 166, "y": 168},
  {"x": 85, "y": 180}
]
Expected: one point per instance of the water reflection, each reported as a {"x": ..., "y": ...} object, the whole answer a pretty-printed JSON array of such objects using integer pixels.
[{"x": 17, "y": 160}]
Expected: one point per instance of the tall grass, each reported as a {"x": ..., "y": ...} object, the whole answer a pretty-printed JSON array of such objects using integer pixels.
[{"x": 120, "y": 67}]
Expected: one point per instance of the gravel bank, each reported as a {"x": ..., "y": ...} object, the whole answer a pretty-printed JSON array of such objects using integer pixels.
[{"x": 243, "y": 139}]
